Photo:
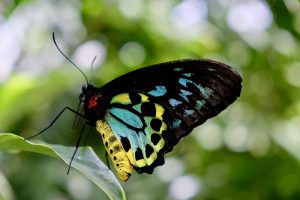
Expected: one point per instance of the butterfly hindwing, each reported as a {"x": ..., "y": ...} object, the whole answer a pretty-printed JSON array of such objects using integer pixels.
[{"x": 138, "y": 121}]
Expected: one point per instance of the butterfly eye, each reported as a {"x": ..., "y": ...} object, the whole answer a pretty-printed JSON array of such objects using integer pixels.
[{"x": 83, "y": 88}]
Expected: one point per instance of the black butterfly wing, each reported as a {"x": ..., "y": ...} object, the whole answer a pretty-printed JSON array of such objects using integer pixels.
[{"x": 173, "y": 98}]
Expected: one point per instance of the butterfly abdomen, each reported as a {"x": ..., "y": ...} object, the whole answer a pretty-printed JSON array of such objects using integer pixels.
[{"x": 115, "y": 150}]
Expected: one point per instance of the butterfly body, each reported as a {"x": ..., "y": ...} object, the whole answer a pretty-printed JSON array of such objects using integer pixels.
[{"x": 142, "y": 115}]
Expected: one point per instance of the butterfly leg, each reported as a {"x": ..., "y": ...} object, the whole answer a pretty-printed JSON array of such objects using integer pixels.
[
  {"x": 59, "y": 114},
  {"x": 76, "y": 116},
  {"x": 76, "y": 148}
]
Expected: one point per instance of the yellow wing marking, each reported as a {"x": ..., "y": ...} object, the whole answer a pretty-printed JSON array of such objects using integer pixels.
[
  {"x": 115, "y": 150},
  {"x": 144, "y": 97},
  {"x": 130, "y": 156},
  {"x": 141, "y": 163},
  {"x": 151, "y": 158},
  {"x": 159, "y": 111},
  {"x": 124, "y": 98},
  {"x": 121, "y": 98}
]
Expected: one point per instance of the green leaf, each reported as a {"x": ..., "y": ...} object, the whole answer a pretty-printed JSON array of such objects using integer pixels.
[{"x": 85, "y": 161}]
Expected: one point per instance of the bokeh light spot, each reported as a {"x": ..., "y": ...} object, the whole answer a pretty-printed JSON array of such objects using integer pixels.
[
  {"x": 284, "y": 42},
  {"x": 292, "y": 73},
  {"x": 85, "y": 53},
  {"x": 189, "y": 13},
  {"x": 209, "y": 136},
  {"x": 131, "y": 8},
  {"x": 170, "y": 170},
  {"x": 297, "y": 22},
  {"x": 132, "y": 54},
  {"x": 9, "y": 50},
  {"x": 238, "y": 53},
  {"x": 236, "y": 138},
  {"x": 259, "y": 142},
  {"x": 184, "y": 187},
  {"x": 248, "y": 16},
  {"x": 286, "y": 134}
]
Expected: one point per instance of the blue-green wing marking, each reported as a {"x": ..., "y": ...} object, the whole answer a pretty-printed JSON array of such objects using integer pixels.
[
  {"x": 127, "y": 117},
  {"x": 121, "y": 130}
]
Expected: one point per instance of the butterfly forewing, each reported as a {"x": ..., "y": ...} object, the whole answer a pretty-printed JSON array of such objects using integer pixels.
[{"x": 151, "y": 109}]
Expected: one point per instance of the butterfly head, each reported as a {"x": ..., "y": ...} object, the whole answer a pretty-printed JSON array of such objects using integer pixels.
[{"x": 93, "y": 102}]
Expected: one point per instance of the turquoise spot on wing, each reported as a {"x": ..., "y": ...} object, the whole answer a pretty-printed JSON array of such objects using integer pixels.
[
  {"x": 142, "y": 141},
  {"x": 177, "y": 69},
  {"x": 199, "y": 104},
  {"x": 137, "y": 107},
  {"x": 174, "y": 102},
  {"x": 184, "y": 94},
  {"x": 188, "y": 74},
  {"x": 127, "y": 117},
  {"x": 204, "y": 90},
  {"x": 148, "y": 131},
  {"x": 188, "y": 113},
  {"x": 148, "y": 121},
  {"x": 176, "y": 123},
  {"x": 159, "y": 91},
  {"x": 121, "y": 130},
  {"x": 184, "y": 81}
]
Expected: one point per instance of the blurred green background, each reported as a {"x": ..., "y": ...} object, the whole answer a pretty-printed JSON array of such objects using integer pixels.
[{"x": 250, "y": 151}]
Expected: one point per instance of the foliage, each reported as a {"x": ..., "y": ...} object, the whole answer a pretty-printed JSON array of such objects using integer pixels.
[{"x": 85, "y": 161}]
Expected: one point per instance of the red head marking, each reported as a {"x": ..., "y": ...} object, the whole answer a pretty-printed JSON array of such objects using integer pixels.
[{"x": 93, "y": 102}]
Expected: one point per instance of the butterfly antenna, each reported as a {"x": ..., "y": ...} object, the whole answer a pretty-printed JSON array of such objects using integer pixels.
[
  {"x": 87, "y": 82},
  {"x": 92, "y": 65}
]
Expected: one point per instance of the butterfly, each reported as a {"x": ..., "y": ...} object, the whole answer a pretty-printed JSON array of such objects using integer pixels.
[{"x": 143, "y": 114}]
